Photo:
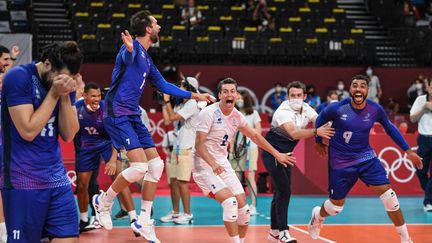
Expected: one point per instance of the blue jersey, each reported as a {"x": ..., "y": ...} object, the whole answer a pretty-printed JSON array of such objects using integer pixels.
[
  {"x": 350, "y": 144},
  {"x": 128, "y": 81},
  {"x": 92, "y": 132},
  {"x": 37, "y": 164}
]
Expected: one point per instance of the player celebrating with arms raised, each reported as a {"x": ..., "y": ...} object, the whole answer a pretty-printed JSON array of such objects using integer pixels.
[
  {"x": 218, "y": 124},
  {"x": 124, "y": 126},
  {"x": 351, "y": 157}
]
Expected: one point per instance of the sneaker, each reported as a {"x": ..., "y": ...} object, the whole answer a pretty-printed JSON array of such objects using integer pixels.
[
  {"x": 315, "y": 225},
  {"x": 122, "y": 214},
  {"x": 273, "y": 236},
  {"x": 428, "y": 207},
  {"x": 407, "y": 241},
  {"x": 170, "y": 217},
  {"x": 83, "y": 225},
  {"x": 285, "y": 237},
  {"x": 103, "y": 210},
  {"x": 253, "y": 210},
  {"x": 184, "y": 219},
  {"x": 94, "y": 223},
  {"x": 146, "y": 230},
  {"x": 135, "y": 233}
]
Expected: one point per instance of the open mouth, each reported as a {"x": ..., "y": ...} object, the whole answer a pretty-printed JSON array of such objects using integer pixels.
[
  {"x": 358, "y": 97},
  {"x": 230, "y": 101}
]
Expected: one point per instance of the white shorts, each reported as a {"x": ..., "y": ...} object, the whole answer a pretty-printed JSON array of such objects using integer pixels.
[{"x": 209, "y": 182}]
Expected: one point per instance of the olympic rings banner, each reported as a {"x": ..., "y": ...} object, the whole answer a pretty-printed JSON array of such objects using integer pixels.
[{"x": 309, "y": 175}]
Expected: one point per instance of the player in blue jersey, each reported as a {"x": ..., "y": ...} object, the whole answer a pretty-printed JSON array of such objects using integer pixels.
[
  {"x": 94, "y": 145},
  {"x": 38, "y": 106},
  {"x": 351, "y": 157},
  {"x": 123, "y": 123}
]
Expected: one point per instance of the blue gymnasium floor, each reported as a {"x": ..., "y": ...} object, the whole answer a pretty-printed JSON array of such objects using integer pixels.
[{"x": 357, "y": 210}]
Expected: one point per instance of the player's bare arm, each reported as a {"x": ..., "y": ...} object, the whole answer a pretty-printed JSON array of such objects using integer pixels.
[
  {"x": 30, "y": 122},
  {"x": 284, "y": 159},
  {"x": 202, "y": 151},
  {"x": 325, "y": 131}
]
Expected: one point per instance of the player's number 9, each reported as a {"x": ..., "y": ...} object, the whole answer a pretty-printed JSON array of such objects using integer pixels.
[{"x": 347, "y": 136}]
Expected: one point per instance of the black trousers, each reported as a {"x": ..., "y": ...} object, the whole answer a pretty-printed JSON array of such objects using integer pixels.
[
  {"x": 281, "y": 178},
  {"x": 425, "y": 174}
]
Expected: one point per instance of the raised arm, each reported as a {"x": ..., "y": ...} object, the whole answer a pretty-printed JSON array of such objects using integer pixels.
[
  {"x": 128, "y": 54},
  {"x": 67, "y": 120}
]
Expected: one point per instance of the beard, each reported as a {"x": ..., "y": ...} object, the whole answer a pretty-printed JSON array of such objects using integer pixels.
[
  {"x": 154, "y": 38},
  {"x": 46, "y": 81}
]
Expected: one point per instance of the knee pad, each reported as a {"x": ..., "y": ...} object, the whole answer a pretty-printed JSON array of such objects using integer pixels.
[
  {"x": 332, "y": 209},
  {"x": 243, "y": 216},
  {"x": 390, "y": 200},
  {"x": 230, "y": 213},
  {"x": 155, "y": 169},
  {"x": 135, "y": 172}
]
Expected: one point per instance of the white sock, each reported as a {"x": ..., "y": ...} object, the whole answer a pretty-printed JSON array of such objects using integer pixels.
[
  {"x": 318, "y": 216},
  {"x": 235, "y": 239},
  {"x": 109, "y": 195},
  {"x": 146, "y": 207},
  {"x": 403, "y": 232},
  {"x": 2, "y": 229},
  {"x": 84, "y": 216},
  {"x": 132, "y": 215}
]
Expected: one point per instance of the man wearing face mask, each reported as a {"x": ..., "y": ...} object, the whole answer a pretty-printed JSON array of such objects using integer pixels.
[
  {"x": 288, "y": 126},
  {"x": 421, "y": 112},
  {"x": 312, "y": 98},
  {"x": 38, "y": 105},
  {"x": 331, "y": 97},
  {"x": 375, "y": 91},
  {"x": 418, "y": 91},
  {"x": 340, "y": 90},
  {"x": 277, "y": 97}
]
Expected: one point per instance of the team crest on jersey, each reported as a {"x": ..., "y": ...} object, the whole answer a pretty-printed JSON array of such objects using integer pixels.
[
  {"x": 367, "y": 117},
  {"x": 344, "y": 117},
  {"x": 80, "y": 116},
  {"x": 219, "y": 121},
  {"x": 234, "y": 122}
]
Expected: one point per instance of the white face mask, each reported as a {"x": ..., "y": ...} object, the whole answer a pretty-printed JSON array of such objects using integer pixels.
[
  {"x": 419, "y": 86},
  {"x": 340, "y": 86},
  {"x": 296, "y": 104},
  {"x": 369, "y": 72}
]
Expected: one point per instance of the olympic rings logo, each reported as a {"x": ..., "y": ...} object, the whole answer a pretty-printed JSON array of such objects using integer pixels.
[
  {"x": 157, "y": 128},
  {"x": 396, "y": 165}
]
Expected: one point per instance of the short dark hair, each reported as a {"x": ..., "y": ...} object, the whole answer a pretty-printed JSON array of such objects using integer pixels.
[
  {"x": 139, "y": 22},
  {"x": 63, "y": 55},
  {"x": 248, "y": 102},
  {"x": 226, "y": 81},
  {"x": 3, "y": 49},
  {"x": 297, "y": 85},
  {"x": 91, "y": 85},
  {"x": 361, "y": 77}
]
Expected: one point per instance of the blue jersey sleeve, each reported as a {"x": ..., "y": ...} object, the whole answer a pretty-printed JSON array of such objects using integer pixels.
[
  {"x": 17, "y": 87},
  {"x": 79, "y": 103},
  {"x": 127, "y": 56},
  {"x": 72, "y": 96},
  {"x": 166, "y": 87},
  {"x": 391, "y": 130},
  {"x": 325, "y": 116}
]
